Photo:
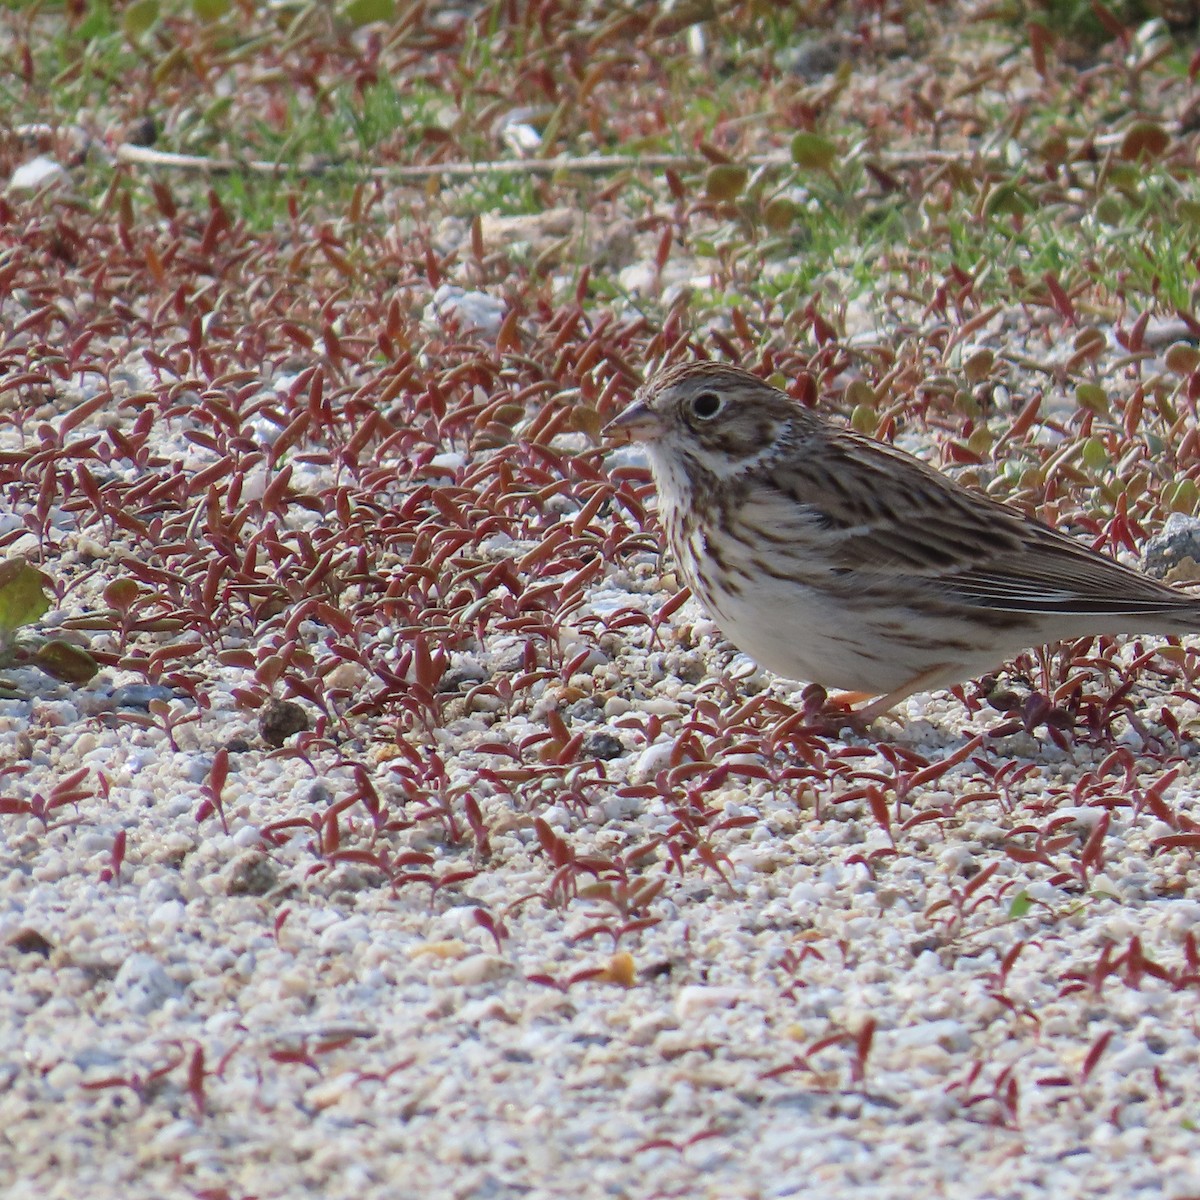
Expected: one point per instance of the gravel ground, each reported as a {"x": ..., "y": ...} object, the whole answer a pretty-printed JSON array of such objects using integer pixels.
[
  {"x": 857, "y": 993},
  {"x": 584, "y": 905}
]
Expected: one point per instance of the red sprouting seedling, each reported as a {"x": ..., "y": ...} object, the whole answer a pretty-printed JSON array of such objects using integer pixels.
[
  {"x": 568, "y": 865},
  {"x": 1063, "y": 1080},
  {"x": 863, "y": 1040},
  {"x": 664, "y": 612},
  {"x": 996, "y": 982},
  {"x": 679, "y": 1147},
  {"x": 170, "y": 716},
  {"x": 879, "y": 810},
  {"x": 121, "y": 595},
  {"x": 437, "y": 809},
  {"x": 142, "y": 1085},
  {"x": 563, "y": 985},
  {"x": 1000, "y": 1103},
  {"x": 628, "y": 898},
  {"x": 790, "y": 961},
  {"x": 298, "y": 1054},
  {"x": 1091, "y": 859},
  {"x": 494, "y": 925},
  {"x": 715, "y": 860},
  {"x": 1152, "y": 798},
  {"x": 1138, "y": 966},
  {"x": 1094, "y": 976},
  {"x": 926, "y": 773},
  {"x": 615, "y": 931},
  {"x": 1046, "y": 844},
  {"x": 39, "y": 806},
  {"x": 961, "y": 900},
  {"x": 449, "y": 879},
  {"x": 195, "y": 1079},
  {"x": 1190, "y": 976},
  {"x": 384, "y": 1075},
  {"x": 212, "y": 788},
  {"x": 860, "y": 1041},
  {"x": 1094, "y": 1054},
  {"x": 116, "y": 856},
  {"x": 475, "y": 820},
  {"x": 1176, "y": 841}
]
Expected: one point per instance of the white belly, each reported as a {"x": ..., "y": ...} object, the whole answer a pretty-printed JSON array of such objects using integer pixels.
[
  {"x": 797, "y": 633},
  {"x": 807, "y": 634}
]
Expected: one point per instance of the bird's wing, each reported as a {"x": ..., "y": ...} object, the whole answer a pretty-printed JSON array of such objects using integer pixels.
[{"x": 878, "y": 513}]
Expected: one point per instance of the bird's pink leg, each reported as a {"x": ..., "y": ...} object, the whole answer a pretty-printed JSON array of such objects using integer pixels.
[{"x": 919, "y": 683}]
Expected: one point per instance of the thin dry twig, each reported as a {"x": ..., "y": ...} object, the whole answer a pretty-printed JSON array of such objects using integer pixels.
[
  {"x": 598, "y": 164},
  {"x": 593, "y": 164}
]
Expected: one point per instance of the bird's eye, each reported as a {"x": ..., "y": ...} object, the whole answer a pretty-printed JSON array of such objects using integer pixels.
[{"x": 706, "y": 405}]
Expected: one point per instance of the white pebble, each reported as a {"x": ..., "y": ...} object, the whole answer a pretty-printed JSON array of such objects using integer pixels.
[
  {"x": 695, "y": 1000},
  {"x": 141, "y": 985},
  {"x": 35, "y": 173}
]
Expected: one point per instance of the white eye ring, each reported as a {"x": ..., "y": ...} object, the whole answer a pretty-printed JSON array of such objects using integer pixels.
[{"x": 706, "y": 405}]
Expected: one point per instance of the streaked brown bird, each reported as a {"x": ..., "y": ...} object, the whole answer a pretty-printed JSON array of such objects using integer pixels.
[{"x": 830, "y": 557}]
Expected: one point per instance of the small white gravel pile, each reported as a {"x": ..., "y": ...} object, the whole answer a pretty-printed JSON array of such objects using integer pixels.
[
  {"x": 222, "y": 1016},
  {"x": 838, "y": 971}
]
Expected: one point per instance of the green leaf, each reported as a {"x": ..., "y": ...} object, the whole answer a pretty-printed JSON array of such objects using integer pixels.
[
  {"x": 1007, "y": 198},
  {"x": 97, "y": 24},
  {"x": 780, "y": 214},
  {"x": 23, "y": 597},
  {"x": 69, "y": 663},
  {"x": 1095, "y": 454},
  {"x": 725, "y": 181},
  {"x": 138, "y": 18},
  {"x": 1093, "y": 397},
  {"x": 864, "y": 419},
  {"x": 121, "y": 593},
  {"x": 1109, "y": 210},
  {"x": 1184, "y": 497},
  {"x": 1021, "y": 904},
  {"x": 363, "y": 12},
  {"x": 211, "y": 10},
  {"x": 1127, "y": 177},
  {"x": 813, "y": 152}
]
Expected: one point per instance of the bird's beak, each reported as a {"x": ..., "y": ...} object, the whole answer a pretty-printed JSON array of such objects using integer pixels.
[{"x": 637, "y": 423}]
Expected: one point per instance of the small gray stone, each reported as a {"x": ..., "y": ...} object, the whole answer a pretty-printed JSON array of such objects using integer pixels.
[
  {"x": 603, "y": 746},
  {"x": 460, "y": 679},
  {"x": 817, "y": 58},
  {"x": 1178, "y": 540},
  {"x": 280, "y": 719},
  {"x": 250, "y": 874},
  {"x": 142, "y": 985}
]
